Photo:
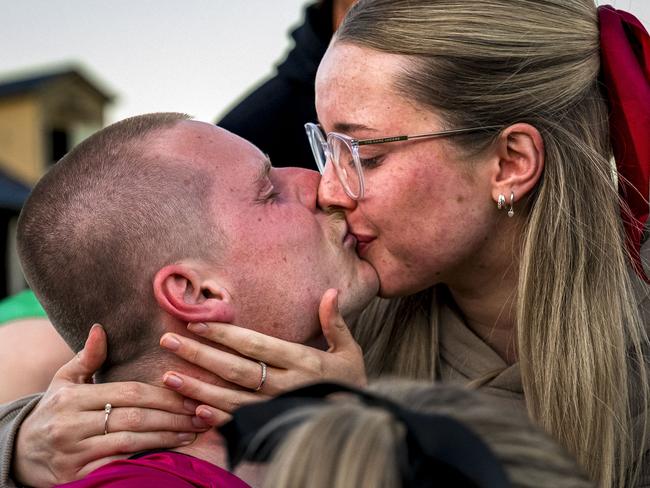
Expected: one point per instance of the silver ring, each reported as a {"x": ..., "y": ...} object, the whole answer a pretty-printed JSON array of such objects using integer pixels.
[
  {"x": 107, "y": 411},
  {"x": 263, "y": 378}
]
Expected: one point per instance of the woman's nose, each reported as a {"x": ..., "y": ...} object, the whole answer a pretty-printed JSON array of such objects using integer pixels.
[{"x": 331, "y": 192}]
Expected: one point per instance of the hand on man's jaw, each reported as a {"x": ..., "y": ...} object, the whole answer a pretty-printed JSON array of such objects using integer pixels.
[
  {"x": 192, "y": 291},
  {"x": 185, "y": 292}
]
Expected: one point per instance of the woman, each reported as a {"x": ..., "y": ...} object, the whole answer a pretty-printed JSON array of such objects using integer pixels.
[
  {"x": 497, "y": 237},
  {"x": 499, "y": 230}
]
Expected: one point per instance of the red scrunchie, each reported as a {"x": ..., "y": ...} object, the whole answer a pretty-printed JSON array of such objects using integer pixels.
[{"x": 625, "y": 71}]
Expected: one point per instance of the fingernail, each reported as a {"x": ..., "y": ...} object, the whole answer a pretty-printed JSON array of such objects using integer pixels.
[
  {"x": 186, "y": 437},
  {"x": 190, "y": 405},
  {"x": 172, "y": 381},
  {"x": 170, "y": 342},
  {"x": 90, "y": 333},
  {"x": 204, "y": 413},
  {"x": 198, "y": 328},
  {"x": 336, "y": 302}
]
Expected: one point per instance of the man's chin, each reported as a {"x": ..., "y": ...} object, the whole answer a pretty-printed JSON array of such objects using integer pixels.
[{"x": 356, "y": 301}]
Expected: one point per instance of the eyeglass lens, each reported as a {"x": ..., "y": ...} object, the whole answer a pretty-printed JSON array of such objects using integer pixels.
[
  {"x": 345, "y": 165},
  {"x": 317, "y": 144},
  {"x": 340, "y": 152}
]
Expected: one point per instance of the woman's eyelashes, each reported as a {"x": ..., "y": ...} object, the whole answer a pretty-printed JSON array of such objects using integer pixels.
[{"x": 369, "y": 163}]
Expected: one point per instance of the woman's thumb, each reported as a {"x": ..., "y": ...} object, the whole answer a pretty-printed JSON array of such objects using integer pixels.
[
  {"x": 335, "y": 329},
  {"x": 81, "y": 368}
]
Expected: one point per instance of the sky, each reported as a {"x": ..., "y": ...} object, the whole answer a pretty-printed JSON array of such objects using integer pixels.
[
  {"x": 640, "y": 8},
  {"x": 194, "y": 56}
]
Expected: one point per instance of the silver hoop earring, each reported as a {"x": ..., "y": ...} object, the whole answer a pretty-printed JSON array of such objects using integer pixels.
[
  {"x": 511, "y": 211},
  {"x": 501, "y": 201}
]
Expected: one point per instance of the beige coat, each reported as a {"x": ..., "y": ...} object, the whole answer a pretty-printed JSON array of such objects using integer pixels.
[{"x": 464, "y": 357}]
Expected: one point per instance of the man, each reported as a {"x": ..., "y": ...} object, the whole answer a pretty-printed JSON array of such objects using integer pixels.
[
  {"x": 158, "y": 221},
  {"x": 271, "y": 117}
]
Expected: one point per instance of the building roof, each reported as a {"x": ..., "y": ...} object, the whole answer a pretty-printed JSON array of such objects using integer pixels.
[
  {"x": 36, "y": 81},
  {"x": 13, "y": 193}
]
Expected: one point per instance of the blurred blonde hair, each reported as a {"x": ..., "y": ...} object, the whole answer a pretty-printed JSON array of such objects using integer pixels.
[
  {"x": 579, "y": 335},
  {"x": 344, "y": 444}
]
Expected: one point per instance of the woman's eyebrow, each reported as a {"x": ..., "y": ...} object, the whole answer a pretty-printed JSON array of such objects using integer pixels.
[{"x": 347, "y": 127}]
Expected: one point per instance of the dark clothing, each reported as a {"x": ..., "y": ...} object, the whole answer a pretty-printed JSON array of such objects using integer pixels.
[{"x": 273, "y": 116}]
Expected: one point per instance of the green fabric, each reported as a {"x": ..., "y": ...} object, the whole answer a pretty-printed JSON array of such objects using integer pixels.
[{"x": 23, "y": 305}]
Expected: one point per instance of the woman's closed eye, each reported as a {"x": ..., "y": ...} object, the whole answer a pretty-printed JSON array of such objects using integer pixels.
[{"x": 370, "y": 163}]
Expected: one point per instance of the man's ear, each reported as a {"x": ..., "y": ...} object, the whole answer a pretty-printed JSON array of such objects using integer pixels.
[
  {"x": 187, "y": 295},
  {"x": 520, "y": 151}
]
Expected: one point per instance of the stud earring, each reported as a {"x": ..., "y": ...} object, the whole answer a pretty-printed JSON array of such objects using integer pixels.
[
  {"x": 511, "y": 211},
  {"x": 501, "y": 201}
]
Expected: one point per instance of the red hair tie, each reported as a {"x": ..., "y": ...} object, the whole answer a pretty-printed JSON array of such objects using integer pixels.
[{"x": 625, "y": 71}]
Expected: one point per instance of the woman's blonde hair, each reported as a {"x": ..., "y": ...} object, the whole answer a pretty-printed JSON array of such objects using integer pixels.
[
  {"x": 579, "y": 335},
  {"x": 345, "y": 443}
]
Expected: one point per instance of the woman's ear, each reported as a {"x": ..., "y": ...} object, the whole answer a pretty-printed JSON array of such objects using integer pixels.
[
  {"x": 520, "y": 162},
  {"x": 187, "y": 295}
]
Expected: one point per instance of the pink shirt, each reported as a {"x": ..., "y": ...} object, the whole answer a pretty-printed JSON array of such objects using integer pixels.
[{"x": 164, "y": 469}]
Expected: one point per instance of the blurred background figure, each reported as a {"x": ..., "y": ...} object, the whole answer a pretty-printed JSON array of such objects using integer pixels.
[
  {"x": 273, "y": 115},
  {"x": 398, "y": 433}
]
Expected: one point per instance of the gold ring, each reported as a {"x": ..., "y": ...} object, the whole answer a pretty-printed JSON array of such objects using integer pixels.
[
  {"x": 263, "y": 378},
  {"x": 107, "y": 411}
]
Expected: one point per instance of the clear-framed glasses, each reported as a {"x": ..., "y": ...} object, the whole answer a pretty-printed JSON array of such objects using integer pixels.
[{"x": 343, "y": 152}]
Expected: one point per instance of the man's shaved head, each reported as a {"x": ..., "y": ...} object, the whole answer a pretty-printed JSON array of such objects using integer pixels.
[{"x": 100, "y": 224}]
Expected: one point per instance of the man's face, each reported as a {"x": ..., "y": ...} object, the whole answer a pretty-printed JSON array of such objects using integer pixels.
[{"x": 281, "y": 251}]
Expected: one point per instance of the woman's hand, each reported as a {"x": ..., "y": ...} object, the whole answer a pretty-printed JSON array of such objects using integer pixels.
[
  {"x": 63, "y": 438},
  {"x": 288, "y": 365}
]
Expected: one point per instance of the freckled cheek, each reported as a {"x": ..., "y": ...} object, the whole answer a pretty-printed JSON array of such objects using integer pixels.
[
  {"x": 410, "y": 213},
  {"x": 399, "y": 197}
]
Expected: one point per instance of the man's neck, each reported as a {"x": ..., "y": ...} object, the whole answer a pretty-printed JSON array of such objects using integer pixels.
[
  {"x": 211, "y": 447},
  {"x": 208, "y": 446}
]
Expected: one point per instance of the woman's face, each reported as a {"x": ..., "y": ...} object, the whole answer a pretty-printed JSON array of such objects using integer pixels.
[{"x": 427, "y": 215}]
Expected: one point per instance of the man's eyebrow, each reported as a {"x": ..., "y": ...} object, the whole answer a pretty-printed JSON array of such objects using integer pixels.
[{"x": 264, "y": 171}]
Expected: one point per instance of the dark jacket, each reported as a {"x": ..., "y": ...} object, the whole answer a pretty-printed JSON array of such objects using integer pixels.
[{"x": 273, "y": 115}]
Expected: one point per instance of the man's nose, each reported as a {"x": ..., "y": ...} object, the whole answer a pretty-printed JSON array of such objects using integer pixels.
[{"x": 331, "y": 192}]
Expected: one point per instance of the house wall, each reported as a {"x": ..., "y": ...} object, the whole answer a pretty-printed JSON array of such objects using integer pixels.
[
  {"x": 21, "y": 144},
  {"x": 70, "y": 104}
]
